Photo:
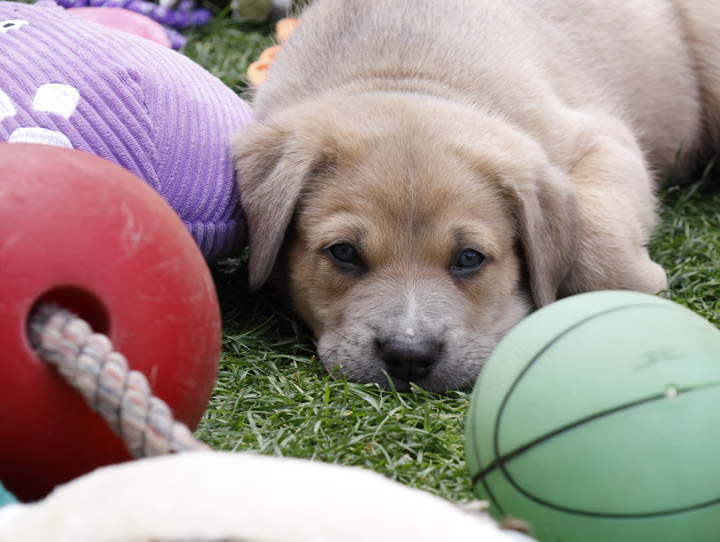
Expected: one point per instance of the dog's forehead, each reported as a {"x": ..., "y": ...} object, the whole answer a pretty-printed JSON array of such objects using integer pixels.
[
  {"x": 397, "y": 197},
  {"x": 420, "y": 184}
]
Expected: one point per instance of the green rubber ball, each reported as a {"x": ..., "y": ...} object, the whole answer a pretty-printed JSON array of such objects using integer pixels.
[{"x": 597, "y": 419}]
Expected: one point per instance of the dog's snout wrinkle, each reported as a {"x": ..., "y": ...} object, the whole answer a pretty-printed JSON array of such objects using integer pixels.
[{"x": 408, "y": 360}]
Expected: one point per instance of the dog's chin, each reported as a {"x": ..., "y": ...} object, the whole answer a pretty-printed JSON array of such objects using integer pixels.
[
  {"x": 364, "y": 367},
  {"x": 438, "y": 380},
  {"x": 431, "y": 383}
]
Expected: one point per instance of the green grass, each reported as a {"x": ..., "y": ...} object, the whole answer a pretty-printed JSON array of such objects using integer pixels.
[
  {"x": 688, "y": 245},
  {"x": 226, "y": 48},
  {"x": 273, "y": 397}
]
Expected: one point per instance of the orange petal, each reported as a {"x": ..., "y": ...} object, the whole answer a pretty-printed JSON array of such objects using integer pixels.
[
  {"x": 269, "y": 54},
  {"x": 257, "y": 72},
  {"x": 284, "y": 28}
]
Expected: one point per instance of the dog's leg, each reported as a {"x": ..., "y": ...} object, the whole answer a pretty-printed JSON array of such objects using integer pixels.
[{"x": 618, "y": 215}]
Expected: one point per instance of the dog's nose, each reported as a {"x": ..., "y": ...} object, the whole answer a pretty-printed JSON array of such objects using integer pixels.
[{"x": 408, "y": 360}]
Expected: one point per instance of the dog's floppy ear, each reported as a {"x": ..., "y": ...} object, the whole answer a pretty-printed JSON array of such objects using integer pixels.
[
  {"x": 548, "y": 221},
  {"x": 273, "y": 165}
]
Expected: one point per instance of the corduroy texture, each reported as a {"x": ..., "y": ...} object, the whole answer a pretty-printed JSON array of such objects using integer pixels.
[{"x": 71, "y": 82}]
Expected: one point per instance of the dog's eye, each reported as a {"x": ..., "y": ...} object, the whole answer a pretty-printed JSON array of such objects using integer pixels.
[
  {"x": 469, "y": 260},
  {"x": 345, "y": 255},
  {"x": 343, "y": 252}
]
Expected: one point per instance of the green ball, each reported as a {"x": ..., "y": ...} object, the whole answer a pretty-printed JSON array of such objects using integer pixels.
[{"x": 597, "y": 419}]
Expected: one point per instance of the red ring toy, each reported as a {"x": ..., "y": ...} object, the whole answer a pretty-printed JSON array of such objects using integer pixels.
[{"x": 78, "y": 230}]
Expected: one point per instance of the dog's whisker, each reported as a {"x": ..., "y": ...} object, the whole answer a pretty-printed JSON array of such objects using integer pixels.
[
  {"x": 328, "y": 353},
  {"x": 336, "y": 332}
]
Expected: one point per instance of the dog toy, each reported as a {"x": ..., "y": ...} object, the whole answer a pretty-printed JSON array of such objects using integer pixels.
[
  {"x": 184, "y": 15},
  {"x": 126, "y": 20},
  {"x": 242, "y": 496},
  {"x": 596, "y": 419},
  {"x": 85, "y": 234},
  {"x": 74, "y": 83}
]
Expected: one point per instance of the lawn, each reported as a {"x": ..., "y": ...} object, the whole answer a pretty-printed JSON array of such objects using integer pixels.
[{"x": 272, "y": 395}]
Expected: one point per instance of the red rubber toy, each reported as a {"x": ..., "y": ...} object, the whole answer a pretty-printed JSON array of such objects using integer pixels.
[{"x": 83, "y": 232}]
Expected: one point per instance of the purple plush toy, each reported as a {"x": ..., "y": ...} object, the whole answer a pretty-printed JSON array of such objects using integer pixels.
[{"x": 71, "y": 82}]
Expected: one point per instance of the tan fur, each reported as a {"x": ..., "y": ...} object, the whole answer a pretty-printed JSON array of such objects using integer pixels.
[{"x": 532, "y": 131}]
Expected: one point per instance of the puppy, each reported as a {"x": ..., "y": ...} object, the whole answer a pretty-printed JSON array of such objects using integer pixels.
[{"x": 424, "y": 174}]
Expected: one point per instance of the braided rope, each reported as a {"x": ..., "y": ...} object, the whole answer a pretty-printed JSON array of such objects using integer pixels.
[{"x": 121, "y": 396}]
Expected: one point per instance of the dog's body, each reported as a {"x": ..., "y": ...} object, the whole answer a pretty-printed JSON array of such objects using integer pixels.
[{"x": 431, "y": 171}]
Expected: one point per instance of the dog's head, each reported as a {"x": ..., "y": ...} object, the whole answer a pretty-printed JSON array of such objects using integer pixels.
[{"x": 414, "y": 234}]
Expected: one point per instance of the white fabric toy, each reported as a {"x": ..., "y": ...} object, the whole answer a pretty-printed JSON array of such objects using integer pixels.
[{"x": 242, "y": 497}]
